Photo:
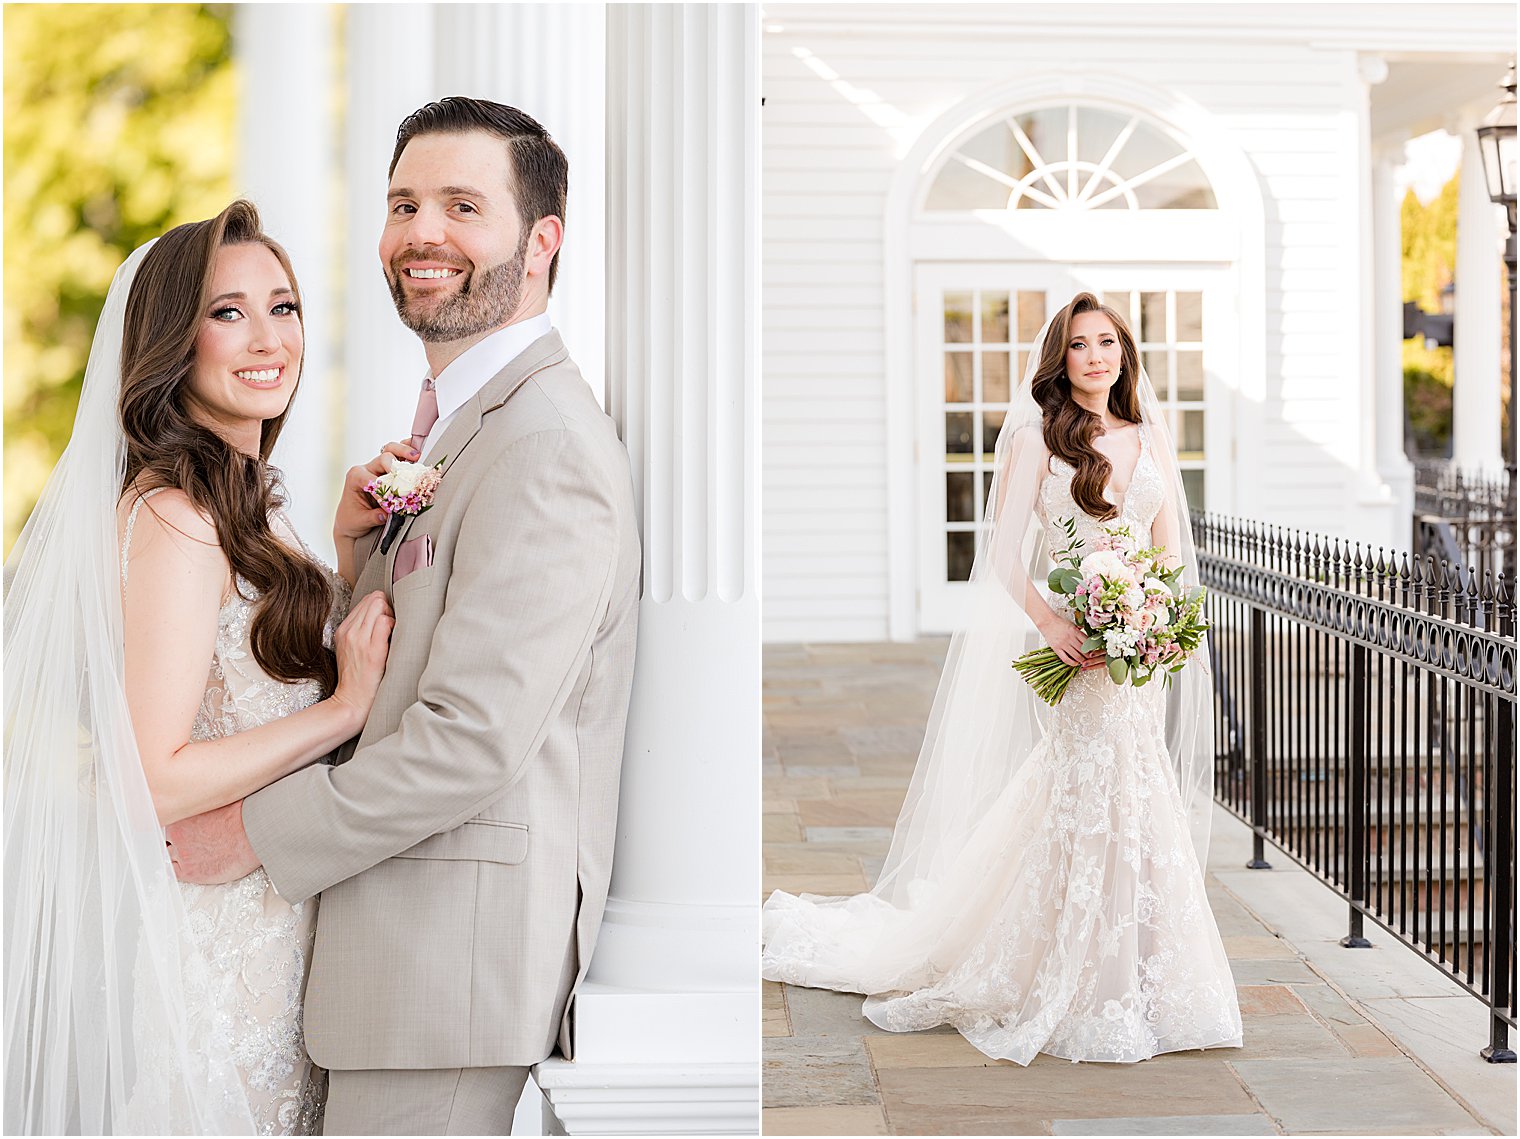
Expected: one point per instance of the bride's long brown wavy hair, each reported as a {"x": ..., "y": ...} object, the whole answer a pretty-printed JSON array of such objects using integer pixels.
[
  {"x": 1068, "y": 427},
  {"x": 168, "y": 448}
]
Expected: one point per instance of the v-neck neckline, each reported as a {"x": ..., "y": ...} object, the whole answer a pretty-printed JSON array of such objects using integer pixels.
[{"x": 1108, "y": 489}]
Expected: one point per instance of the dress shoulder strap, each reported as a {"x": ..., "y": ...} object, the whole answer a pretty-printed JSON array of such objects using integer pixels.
[{"x": 126, "y": 540}]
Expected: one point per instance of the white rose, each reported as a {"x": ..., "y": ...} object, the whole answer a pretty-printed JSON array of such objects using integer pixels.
[
  {"x": 404, "y": 477},
  {"x": 1108, "y": 564}
]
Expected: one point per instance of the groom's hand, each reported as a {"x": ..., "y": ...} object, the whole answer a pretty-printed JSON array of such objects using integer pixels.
[{"x": 211, "y": 847}]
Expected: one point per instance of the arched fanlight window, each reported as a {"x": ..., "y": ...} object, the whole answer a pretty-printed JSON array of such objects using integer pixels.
[{"x": 1070, "y": 157}]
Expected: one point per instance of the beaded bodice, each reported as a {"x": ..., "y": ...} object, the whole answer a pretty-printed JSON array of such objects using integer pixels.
[{"x": 1138, "y": 509}]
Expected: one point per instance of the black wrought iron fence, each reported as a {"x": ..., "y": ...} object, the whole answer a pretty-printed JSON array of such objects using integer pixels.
[
  {"x": 1465, "y": 517},
  {"x": 1366, "y": 726}
]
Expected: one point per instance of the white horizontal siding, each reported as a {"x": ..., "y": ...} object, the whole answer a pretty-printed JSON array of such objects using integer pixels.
[{"x": 831, "y": 144}]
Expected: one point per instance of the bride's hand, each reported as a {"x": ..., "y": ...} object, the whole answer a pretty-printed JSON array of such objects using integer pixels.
[
  {"x": 357, "y": 512},
  {"x": 362, "y": 644},
  {"x": 1067, "y": 640}
]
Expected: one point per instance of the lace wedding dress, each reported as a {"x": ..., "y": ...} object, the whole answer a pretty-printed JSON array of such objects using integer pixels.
[
  {"x": 245, "y": 978},
  {"x": 1073, "y": 921}
]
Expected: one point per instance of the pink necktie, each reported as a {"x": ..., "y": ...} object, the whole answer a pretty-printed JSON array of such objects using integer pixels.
[{"x": 427, "y": 414}]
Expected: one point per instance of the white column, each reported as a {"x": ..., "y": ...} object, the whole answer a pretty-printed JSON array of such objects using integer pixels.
[
  {"x": 389, "y": 49},
  {"x": 282, "y": 162},
  {"x": 1393, "y": 466},
  {"x": 667, "y": 1027},
  {"x": 550, "y": 61},
  {"x": 1478, "y": 315}
]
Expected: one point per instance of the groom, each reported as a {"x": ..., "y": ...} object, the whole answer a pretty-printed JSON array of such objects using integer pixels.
[{"x": 463, "y": 847}]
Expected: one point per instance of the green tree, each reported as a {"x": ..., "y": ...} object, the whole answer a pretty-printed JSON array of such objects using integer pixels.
[
  {"x": 1430, "y": 257},
  {"x": 120, "y": 122}
]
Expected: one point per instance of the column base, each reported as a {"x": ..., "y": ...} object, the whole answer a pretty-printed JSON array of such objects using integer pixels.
[
  {"x": 656, "y": 1064},
  {"x": 649, "y": 1099},
  {"x": 1384, "y": 503}
]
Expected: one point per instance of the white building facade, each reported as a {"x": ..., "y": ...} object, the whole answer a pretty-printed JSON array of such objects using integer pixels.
[
  {"x": 938, "y": 179},
  {"x": 657, "y": 109}
]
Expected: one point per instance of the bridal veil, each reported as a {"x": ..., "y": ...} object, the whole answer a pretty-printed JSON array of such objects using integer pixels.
[
  {"x": 985, "y": 723},
  {"x": 96, "y": 936}
]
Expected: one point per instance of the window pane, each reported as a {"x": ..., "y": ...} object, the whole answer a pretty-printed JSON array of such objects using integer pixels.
[
  {"x": 959, "y": 187},
  {"x": 1155, "y": 367},
  {"x": 1146, "y": 148},
  {"x": 1192, "y": 486},
  {"x": 1046, "y": 129},
  {"x": 1031, "y": 314},
  {"x": 1096, "y": 131},
  {"x": 1191, "y": 444},
  {"x": 960, "y": 487},
  {"x": 1025, "y": 202},
  {"x": 1023, "y": 365},
  {"x": 992, "y": 423},
  {"x": 996, "y": 147},
  {"x": 995, "y": 377},
  {"x": 1120, "y": 303},
  {"x": 1190, "y": 316},
  {"x": 986, "y": 486},
  {"x": 960, "y": 551},
  {"x": 994, "y": 318},
  {"x": 958, "y": 377},
  {"x": 1183, "y": 188},
  {"x": 958, "y": 433},
  {"x": 1189, "y": 375},
  {"x": 1153, "y": 317},
  {"x": 957, "y": 318}
]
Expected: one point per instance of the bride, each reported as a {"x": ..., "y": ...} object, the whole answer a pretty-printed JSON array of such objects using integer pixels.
[
  {"x": 1044, "y": 890},
  {"x": 159, "y": 550}
]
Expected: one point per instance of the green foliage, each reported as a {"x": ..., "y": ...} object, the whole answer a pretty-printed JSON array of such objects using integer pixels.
[
  {"x": 1427, "y": 400},
  {"x": 1430, "y": 245},
  {"x": 1430, "y": 258},
  {"x": 120, "y": 122}
]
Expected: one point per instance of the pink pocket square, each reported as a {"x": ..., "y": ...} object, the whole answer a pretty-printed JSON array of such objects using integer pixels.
[{"x": 413, "y": 554}]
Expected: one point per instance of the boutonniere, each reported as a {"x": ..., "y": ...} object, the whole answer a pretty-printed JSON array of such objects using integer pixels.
[{"x": 403, "y": 492}]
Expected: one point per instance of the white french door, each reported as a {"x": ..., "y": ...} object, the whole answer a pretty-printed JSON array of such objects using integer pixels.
[{"x": 974, "y": 325}]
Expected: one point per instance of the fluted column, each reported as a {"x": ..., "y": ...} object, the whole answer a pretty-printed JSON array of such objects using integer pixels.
[
  {"x": 281, "y": 163},
  {"x": 389, "y": 48},
  {"x": 550, "y": 61},
  {"x": 667, "y": 1026},
  {"x": 1393, "y": 466},
  {"x": 1478, "y": 313}
]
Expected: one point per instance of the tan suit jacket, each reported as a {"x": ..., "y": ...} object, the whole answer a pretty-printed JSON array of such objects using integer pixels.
[{"x": 463, "y": 848}]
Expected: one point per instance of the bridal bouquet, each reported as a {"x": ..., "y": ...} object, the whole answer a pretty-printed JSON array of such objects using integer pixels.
[{"x": 1127, "y": 604}]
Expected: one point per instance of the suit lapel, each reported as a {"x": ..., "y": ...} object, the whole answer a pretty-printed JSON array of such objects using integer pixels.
[{"x": 544, "y": 352}]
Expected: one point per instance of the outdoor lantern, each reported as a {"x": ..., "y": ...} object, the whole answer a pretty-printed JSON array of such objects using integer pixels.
[{"x": 1496, "y": 142}]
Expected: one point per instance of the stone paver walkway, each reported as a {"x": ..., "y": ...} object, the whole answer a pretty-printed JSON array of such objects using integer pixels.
[{"x": 843, "y": 725}]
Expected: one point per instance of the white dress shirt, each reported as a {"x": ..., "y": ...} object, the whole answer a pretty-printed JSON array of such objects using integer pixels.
[{"x": 457, "y": 384}]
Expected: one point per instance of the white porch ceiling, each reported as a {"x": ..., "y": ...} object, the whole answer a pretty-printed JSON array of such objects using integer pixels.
[{"x": 1423, "y": 95}]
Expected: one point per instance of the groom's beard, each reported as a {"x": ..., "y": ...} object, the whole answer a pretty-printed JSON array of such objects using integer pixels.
[{"x": 484, "y": 301}]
